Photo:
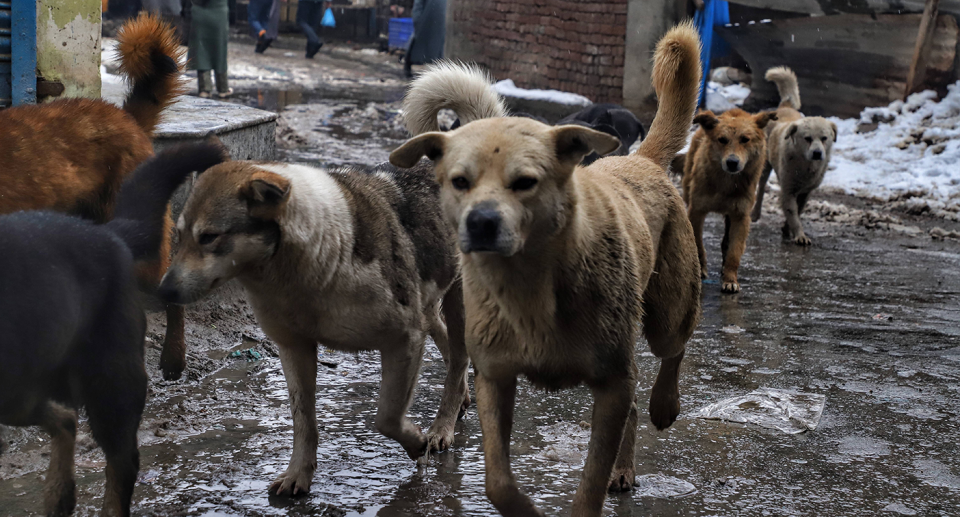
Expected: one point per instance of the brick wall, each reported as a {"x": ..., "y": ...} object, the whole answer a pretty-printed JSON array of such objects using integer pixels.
[{"x": 568, "y": 45}]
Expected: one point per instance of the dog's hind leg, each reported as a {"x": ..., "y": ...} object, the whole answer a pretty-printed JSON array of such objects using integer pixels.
[
  {"x": 696, "y": 220},
  {"x": 624, "y": 475},
  {"x": 456, "y": 393},
  {"x": 60, "y": 491},
  {"x": 611, "y": 408},
  {"x": 495, "y": 401},
  {"x": 400, "y": 369},
  {"x": 761, "y": 190},
  {"x": 671, "y": 311},
  {"x": 298, "y": 357}
]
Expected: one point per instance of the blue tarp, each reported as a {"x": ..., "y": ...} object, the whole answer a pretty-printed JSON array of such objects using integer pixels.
[{"x": 714, "y": 12}]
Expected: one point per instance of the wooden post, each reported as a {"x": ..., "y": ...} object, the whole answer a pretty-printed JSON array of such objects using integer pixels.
[{"x": 918, "y": 66}]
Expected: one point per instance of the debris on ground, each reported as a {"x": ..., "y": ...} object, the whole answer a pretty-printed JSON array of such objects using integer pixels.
[
  {"x": 785, "y": 411},
  {"x": 249, "y": 354}
]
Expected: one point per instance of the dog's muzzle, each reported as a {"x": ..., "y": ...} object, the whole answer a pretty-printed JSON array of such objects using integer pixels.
[
  {"x": 816, "y": 155},
  {"x": 482, "y": 230},
  {"x": 732, "y": 164}
]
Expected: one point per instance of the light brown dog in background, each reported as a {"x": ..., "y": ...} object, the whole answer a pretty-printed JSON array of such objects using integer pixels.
[
  {"x": 721, "y": 172},
  {"x": 561, "y": 263},
  {"x": 798, "y": 148}
]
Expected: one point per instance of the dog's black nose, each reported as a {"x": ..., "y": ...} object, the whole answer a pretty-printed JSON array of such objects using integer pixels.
[
  {"x": 483, "y": 226},
  {"x": 733, "y": 164},
  {"x": 167, "y": 293},
  {"x": 817, "y": 155}
]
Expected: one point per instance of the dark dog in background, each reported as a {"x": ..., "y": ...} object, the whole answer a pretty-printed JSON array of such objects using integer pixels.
[{"x": 72, "y": 326}]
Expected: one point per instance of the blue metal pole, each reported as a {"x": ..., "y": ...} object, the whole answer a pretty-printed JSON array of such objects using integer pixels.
[{"x": 24, "y": 51}]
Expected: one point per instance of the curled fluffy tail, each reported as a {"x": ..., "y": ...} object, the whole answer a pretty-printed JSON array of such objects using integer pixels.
[
  {"x": 676, "y": 78},
  {"x": 150, "y": 58},
  {"x": 142, "y": 203},
  {"x": 463, "y": 88},
  {"x": 786, "y": 82}
]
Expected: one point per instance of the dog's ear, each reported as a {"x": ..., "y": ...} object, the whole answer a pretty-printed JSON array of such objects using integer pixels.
[
  {"x": 430, "y": 145},
  {"x": 792, "y": 130},
  {"x": 762, "y": 119},
  {"x": 573, "y": 142},
  {"x": 834, "y": 127},
  {"x": 707, "y": 120},
  {"x": 265, "y": 192}
]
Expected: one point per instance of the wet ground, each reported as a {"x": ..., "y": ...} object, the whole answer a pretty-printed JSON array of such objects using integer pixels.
[{"x": 868, "y": 317}]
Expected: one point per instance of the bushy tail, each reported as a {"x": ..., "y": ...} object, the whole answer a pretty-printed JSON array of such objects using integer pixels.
[
  {"x": 786, "y": 82},
  {"x": 143, "y": 198},
  {"x": 463, "y": 88},
  {"x": 676, "y": 78},
  {"x": 150, "y": 58}
]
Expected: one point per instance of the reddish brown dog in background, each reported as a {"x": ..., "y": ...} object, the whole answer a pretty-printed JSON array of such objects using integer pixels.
[
  {"x": 71, "y": 155},
  {"x": 720, "y": 174}
]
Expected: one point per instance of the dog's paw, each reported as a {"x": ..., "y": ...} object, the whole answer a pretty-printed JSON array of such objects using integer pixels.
[
  {"x": 664, "y": 406},
  {"x": 703, "y": 273},
  {"x": 465, "y": 404},
  {"x": 755, "y": 216},
  {"x": 291, "y": 483},
  {"x": 802, "y": 240},
  {"x": 440, "y": 439},
  {"x": 623, "y": 479},
  {"x": 730, "y": 287},
  {"x": 61, "y": 499},
  {"x": 171, "y": 365}
]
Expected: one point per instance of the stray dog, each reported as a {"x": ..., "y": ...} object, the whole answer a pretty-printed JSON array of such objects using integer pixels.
[
  {"x": 71, "y": 155},
  {"x": 355, "y": 259},
  {"x": 798, "y": 148},
  {"x": 560, "y": 264},
  {"x": 721, "y": 172},
  {"x": 72, "y": 328},
  {"x": 612, "y": 119}
]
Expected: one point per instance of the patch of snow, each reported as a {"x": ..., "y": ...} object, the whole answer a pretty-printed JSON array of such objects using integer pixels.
[
  {"x": 722, "y": 98},
  {"x": 507, "y": 88}
]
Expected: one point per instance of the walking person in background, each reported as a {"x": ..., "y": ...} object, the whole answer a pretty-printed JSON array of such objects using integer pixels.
[
  {"x": 264, "y": 19},
  {"x": 309, "y": 13},
  {"x": 207, "y": 50},
  {"x": 429, "y": 33}
]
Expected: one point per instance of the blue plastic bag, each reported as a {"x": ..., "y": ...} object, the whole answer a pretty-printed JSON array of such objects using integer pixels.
[{"x": 328, "y": 20}]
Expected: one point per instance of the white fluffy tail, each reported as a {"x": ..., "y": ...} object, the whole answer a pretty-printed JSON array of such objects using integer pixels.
[
  {"x": 786, "y": 82},
  {"x": 465, "y": 89}
]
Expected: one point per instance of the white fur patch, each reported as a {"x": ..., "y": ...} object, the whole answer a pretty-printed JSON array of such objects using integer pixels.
[{"x": 317, "y": 207}]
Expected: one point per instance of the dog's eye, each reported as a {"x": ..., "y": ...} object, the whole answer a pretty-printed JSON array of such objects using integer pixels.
[
  {"x": 460, "y": 183},
  {"x": 823, "y": 139},
  {"x": 525, "y": 183},
  {"x": 809, "y": 139},
  {"x": 744, "y": 139},
  {"x": 723, "y": 140},
  {"x": 207, "y": 238}
]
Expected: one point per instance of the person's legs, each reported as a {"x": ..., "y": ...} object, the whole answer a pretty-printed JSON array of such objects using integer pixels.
[
  {"x": 258, "y": 15},
  {"x": 204, "y": 85},
  {"x": 308, "y": 17},
  {"x": 223, "y": 85}
]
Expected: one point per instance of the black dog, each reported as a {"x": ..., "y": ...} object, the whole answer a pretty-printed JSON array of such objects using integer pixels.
[
  {"x": 72, "y": 326},
  {"x": 612, "y": 119}
]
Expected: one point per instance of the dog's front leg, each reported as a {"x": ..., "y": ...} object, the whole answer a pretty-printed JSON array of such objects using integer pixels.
[
  {"x": 400, "y": 368},
  {"x": 298, "y": 356},
  {"x": 739, "y": 229},
  {"x": 611, "y": 407},
  {"x": 624, "y": 475},
  {"x": 792, "y": 229},
  {"x": 495, "y": 401},
  {"x": 456, "y": 393}
]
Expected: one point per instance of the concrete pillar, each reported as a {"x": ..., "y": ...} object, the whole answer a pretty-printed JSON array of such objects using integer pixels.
[
  {"x": 647, "y": 22},
  {"x": 68, "y": 45}
]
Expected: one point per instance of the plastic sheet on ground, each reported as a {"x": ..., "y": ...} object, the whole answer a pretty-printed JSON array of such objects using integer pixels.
[
  {"x": 663, "y": 487},
  {"x": 785, "y": 411}
]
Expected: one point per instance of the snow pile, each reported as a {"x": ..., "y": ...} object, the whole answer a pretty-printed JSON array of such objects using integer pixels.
[
  {"x": 507, "y": 88},
  {"x": 912, "y": 157},
  {"x": 722, "y": 98}
]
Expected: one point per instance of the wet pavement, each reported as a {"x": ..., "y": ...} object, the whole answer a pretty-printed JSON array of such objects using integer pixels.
[{"x": 868, "y": 318}]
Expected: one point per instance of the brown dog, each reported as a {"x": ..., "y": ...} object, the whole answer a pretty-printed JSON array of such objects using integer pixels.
[
  {"x": 71, "y": 155},
  {"x": 561, "y": 263},
  {"x": 721, "y": 172}
]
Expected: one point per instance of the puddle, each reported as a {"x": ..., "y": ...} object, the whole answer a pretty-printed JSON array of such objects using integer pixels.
[{"x": 784, "y": 411}]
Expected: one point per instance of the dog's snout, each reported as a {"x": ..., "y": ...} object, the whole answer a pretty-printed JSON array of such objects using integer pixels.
[
  {"x": 733, "y": 164},
  {"x": 817, "y": 155},
  {"x": 483, "y": 228},
  {"x": 167, "y": 291}
]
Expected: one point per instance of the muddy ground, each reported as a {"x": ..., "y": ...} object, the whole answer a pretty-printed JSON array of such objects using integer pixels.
[{"x": 868, "y": 317}]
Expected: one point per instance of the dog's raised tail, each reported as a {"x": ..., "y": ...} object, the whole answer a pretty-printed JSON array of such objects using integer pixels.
[
  {"x": 142, "y": 202},
  {"x": 786, "y": 82},
  {"x": 676, "y": 79},
  {"x": 151, "y": 59},
  {"x": 465, "y": 89}
]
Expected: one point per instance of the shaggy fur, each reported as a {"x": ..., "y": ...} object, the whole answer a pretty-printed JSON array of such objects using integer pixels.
[
  {"x": 562, "y": 263},
  {"x": 355, "y": 259},
  {"x": 798, "y": 148},
  {"x": 71, "y": 155},
  {"x": 721, "y": 172},
  {"x": 72, "y": 329},
  {"x": 465, "y": 89}
]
